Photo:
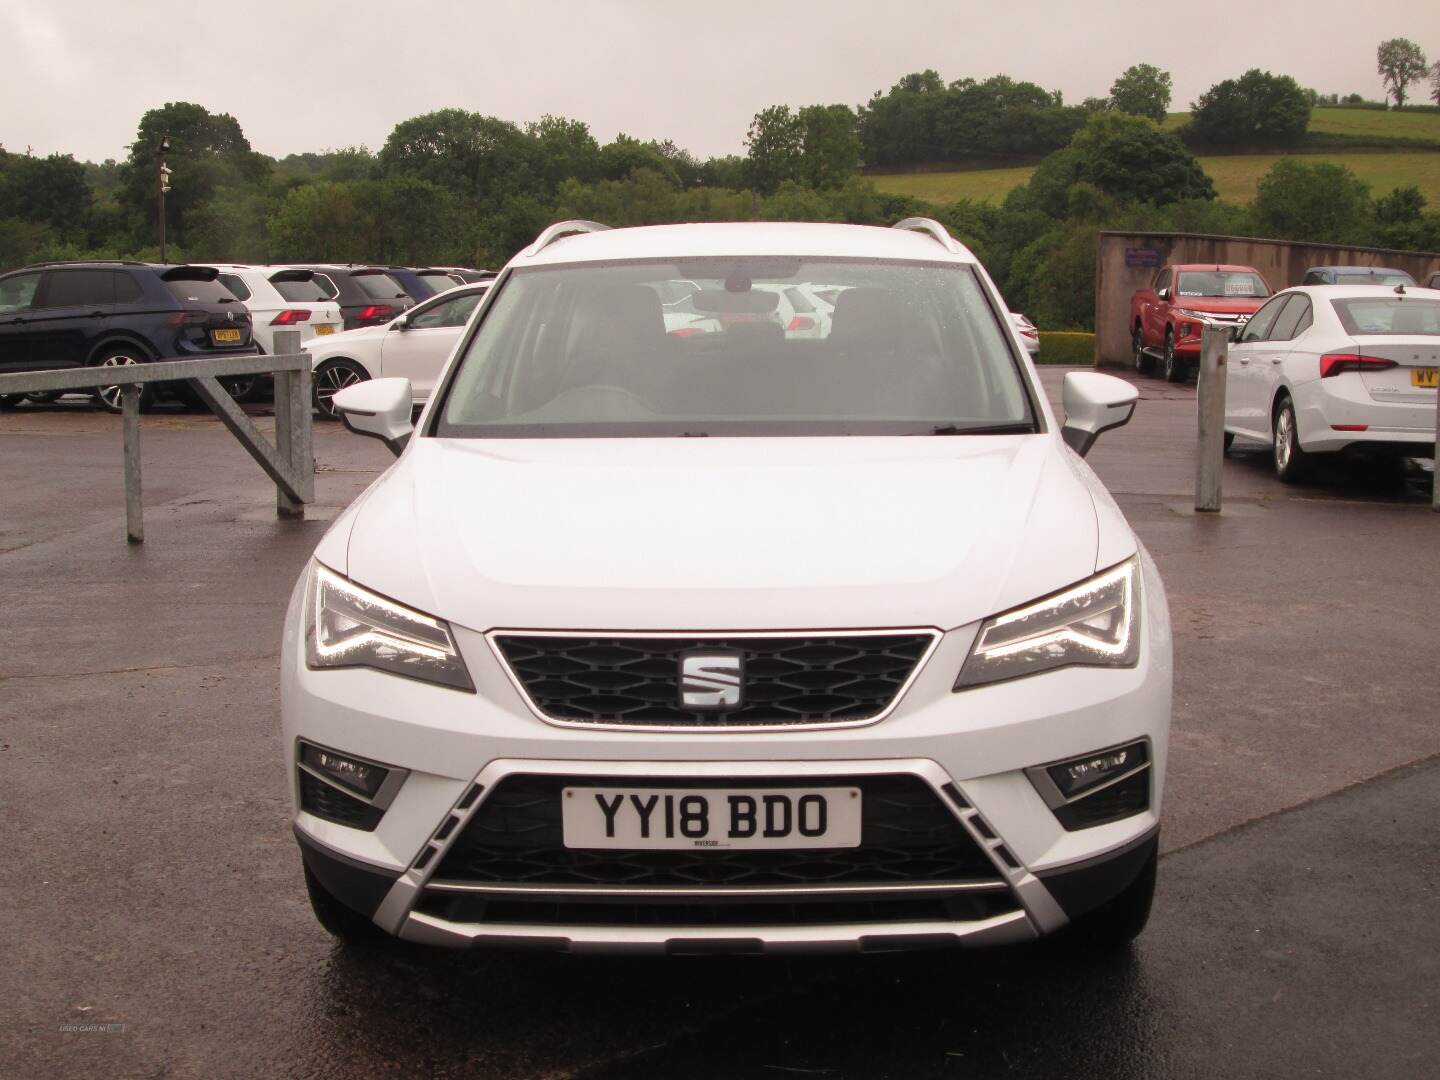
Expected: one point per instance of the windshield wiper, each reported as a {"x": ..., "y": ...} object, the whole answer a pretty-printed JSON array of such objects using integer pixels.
[{"x": 983, "y": 429}]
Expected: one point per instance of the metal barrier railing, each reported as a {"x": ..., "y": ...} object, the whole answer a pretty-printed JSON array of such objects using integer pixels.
[{"x": 290, "y": 462}]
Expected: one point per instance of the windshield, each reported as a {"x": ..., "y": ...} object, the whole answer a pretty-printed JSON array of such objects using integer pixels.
[
  {"x": 703, "y": 347},
  {"x": 1389, "y": 315},
  {"x": 1239, "y": 284}
]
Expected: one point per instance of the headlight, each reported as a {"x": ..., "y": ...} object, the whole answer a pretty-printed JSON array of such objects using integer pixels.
[
  {"x": 1096, "y": 623},
  {"x": 347, "y": 626}
]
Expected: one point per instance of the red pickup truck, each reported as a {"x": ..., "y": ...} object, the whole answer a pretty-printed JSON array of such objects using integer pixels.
[{"x": 1166, "y": 318}]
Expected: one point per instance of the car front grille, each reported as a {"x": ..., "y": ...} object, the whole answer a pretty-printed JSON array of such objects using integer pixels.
[
  {"x": 907, "y": 837},
  {"x": 819, "y": 679}
]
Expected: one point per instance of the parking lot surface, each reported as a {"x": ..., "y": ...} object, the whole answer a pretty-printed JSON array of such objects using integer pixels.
[{"x": 156, "y": 919}]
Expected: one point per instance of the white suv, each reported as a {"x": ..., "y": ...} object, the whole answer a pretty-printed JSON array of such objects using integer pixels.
[{"x": 731, "y": 641}]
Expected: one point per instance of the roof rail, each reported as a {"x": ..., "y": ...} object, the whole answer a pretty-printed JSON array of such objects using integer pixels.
[
  {"x": 559, "y": 229},
  {"x": 932, "y": 228}
]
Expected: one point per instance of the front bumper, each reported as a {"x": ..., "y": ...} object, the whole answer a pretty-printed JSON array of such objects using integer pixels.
[{"x": 971, "y": 749}]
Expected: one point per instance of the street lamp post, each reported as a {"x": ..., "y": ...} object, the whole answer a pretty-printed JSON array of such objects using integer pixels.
[{"x": 163, "y": 175}]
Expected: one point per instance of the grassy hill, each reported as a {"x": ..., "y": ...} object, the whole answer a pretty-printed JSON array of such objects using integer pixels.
[{"x": 1236, "y": 175}]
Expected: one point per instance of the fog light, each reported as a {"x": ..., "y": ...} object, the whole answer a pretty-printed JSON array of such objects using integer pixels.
[
  {"x": 362, "y": 777},
  {"x": 1081, "y": 774}
]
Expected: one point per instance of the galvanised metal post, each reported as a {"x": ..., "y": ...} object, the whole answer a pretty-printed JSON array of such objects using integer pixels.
[
  {"x": 130, "y": 433},
  {"x": 1210, "y": 411}
]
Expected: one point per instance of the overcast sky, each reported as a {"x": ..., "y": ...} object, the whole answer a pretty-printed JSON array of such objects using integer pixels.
[{"x": 76, "y": 75}]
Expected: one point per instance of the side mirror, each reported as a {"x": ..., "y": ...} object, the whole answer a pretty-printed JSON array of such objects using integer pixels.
[
  {"x": 1234, "y": 332},
  {"x": 1164, "y": 294},
  {"x": 401, "y": 322},
  {"x": 379, "y": 408},
  {"x": 1093, "y": 403}
]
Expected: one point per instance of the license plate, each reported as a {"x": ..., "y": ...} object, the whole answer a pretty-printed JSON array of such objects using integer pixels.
[
  {"x": 324, "y": 328},
  {"x": 224, "y": 335},
  {"x": 1425, "y": 377},
  {"x": 694, "y": 818}
]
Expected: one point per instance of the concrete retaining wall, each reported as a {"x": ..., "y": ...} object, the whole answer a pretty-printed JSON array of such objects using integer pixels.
[{"x": 1125, "y": 262}]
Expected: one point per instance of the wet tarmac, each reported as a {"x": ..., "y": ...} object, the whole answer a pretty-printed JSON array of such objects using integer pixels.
[{"x": 150, "y": 891}]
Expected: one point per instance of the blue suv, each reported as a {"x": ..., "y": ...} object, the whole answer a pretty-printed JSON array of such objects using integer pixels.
[{"x": 110, "y": 314}]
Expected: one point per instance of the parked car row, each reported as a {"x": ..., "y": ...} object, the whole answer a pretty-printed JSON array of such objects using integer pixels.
[
  {"x": 1167, "y": 316},
  {"x": 76, "y": 314}
]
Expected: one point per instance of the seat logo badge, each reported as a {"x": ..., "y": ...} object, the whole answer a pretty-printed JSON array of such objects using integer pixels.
[{"x": 711, "y": 679}]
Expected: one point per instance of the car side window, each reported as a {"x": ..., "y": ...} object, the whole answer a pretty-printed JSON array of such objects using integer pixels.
[
  {"x": 17, "y": 292},
  {"x": 451, "y": 313},
  {"x": 1314, "y": 277},
  {"x": 1162, "y": 281},
  {"x": 1288, "y": 321},
  {"x": 1258, "y": 328},
  {"x": 78, "y": 288},
  {"x": 127, "y": 289},
  {"x": 237, "y": 287},
  {"x": 1288, "y": 325}
]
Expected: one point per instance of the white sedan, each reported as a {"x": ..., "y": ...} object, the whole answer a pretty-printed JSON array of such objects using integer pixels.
[
  {"x": 411, "y": 346},
  {"x": 1323, "y": 369},
  {"x": 1027, "y": 331}
]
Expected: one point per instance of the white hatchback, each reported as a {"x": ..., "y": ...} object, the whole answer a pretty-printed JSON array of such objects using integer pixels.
[
  {"x": 731, "y": 641},
  {"x": 281, "y": 298},
  {"x": 1324, "y": 369}
]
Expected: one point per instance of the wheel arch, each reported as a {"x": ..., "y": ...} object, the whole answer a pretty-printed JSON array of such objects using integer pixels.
[
  {"x": 369, "y": 372},
  {"x": 117, "y": 338}
]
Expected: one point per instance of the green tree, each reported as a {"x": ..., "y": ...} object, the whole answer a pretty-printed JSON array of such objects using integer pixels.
[
  {"x": 829, "y": 145},
  {"x": 473, "y": 156},
  {"x": 567, "y": 149},
  {"x": 52, "y": 191},
  {"x": 1319, "y": 202},
  {"x": 1400, "y": 62},
  {"x": 775, "y": 143},
  {"x": 1127, "y": 158},
  {"x": 1257, "y": 109},
  {"x": 1143, "y": 90},
  {"x": 208, "y": 151},
  {"x": 626, "y": 155}
]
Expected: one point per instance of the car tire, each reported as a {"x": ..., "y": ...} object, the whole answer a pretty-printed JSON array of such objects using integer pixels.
[
  {"x": 1292, "y": 463},
  {"x": 1229, "y": 439},
  {"x": 108, "y": 397},
  {"x": 10, "y": 401},
  {"x": 1119, "y": 921},
  {"x": 241, "y": 388},
  {"x": 44, "y": 397},
  {"x": 1176, "y": 370},
  {"x": 341, "y": 920},
  {"x": 331, "y": 376},
  {"x": 1144, "y": 362}
]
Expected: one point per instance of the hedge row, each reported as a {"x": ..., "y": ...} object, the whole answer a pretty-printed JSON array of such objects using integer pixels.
[{"x": 1066, "y": 347}]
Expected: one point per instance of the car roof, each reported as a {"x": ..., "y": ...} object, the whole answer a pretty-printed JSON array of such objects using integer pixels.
[
  {"x": 745, "y": 238},
  {"x": 1353, "y": 289},
  {"x": 1358, "y": 269},
  {"x": 1222, "y": 267}
]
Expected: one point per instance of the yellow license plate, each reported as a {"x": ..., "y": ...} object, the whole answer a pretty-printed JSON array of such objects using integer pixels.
[
  {"x": 324, "y": 328},
  {"x": 1425, "y": 377},
  {"x": 225, "y": 335}
]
